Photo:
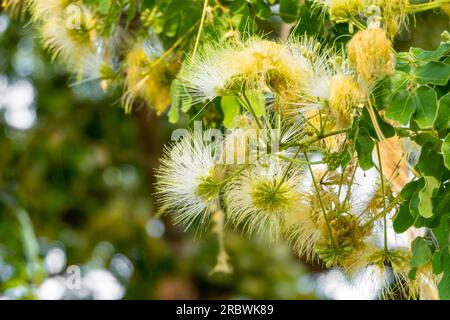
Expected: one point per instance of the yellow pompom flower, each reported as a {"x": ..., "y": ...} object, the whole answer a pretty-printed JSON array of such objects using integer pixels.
[
  {"x": 394, "y": 14},
  {"x": 267, "y": 64},
  {"x": 302, "y": 229},
  {"x": 371, "y": 54},
  {"x": 147, "y": 79},
  {"x": 345, "y": 95},
  {"x": 342, "y": 10},
  {"x": 227, "y": 69}
]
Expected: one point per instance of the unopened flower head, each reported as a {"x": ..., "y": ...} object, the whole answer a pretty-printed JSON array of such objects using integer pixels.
[{"x": 188, "y": 181}]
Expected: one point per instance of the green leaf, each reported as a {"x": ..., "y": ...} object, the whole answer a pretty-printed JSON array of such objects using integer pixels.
[
  {"x": 431, "y": 167},
  {"x": 442, "y": 120},
  {"x": 246, "y": 23},
  {"x": 409, "y": 189},
  {"x": 311, "y": 21},
  {"x": 421, "y": 252},
  {"x": 186, "y": 99},
  {"x": 174, "y": 114},
  {"x": 30, "y": 243},
  {"x": 425, "y": 206},
  {"x": 430, "y": 162},
  {"x": 443, "y": 202},
  {"x": 231, "y": 108},
  {"x": 441, "y": 232},
  {"x": 401, "y": 107},
  {"x": 434, "y": 72},
  {"x": 446, "y": 151},
  {"x": 403, "y": 63},
  {"x": 364, "y": 148},
  {"x": 412, "y": 274},
  {"x": 436, "y": 262},
  {"x": 104, "y": 6},
  {"x": 414, "y": 201},
  {"x": 425, "y": 104},
  {"x": 366, "y": 122},
  {"x": 262, "y": 10},
  {"x": 132, "y": 10},
  {"x": 422, "y": 138},
  {"x": 171, "y": 26},
  {"x": 425, "y": 55},
  {"x": 257, "y": 101},
  {"x": 403, "y": 220},
  {"x": 444, "y": 284},
  {"x": 289, "y": 10},
  {"x": 238, "y": 5}
]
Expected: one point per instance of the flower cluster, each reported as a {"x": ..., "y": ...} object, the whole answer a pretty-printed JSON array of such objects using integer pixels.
[
  {"x": 95, "y": 49},
  {"x": 393, "y": 14},
  {"x": 308, "y": 190}
]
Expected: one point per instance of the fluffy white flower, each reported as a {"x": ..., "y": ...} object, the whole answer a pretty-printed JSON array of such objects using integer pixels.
[
  {"x": 261, "y": 197},
  {"x": 188, "y": 179},
  {"x": 206, "y": 75}
]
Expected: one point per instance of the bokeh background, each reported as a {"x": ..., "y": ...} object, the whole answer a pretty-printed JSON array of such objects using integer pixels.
[{"x": 76, "y": 183}]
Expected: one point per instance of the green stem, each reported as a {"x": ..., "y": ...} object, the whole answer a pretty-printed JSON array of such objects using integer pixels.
[
  {"x": 286, "y": 172},
  {"x": 384, "y": 196},
  {"x": 246, "y": 103},
  {"x": 236, "y": 173},
  {"x": 357, "y": 23},
  {"x": 333, "y": 242},
  {"x": 315, "y": 139},
  {"x": 414, "y": 8},
  {"x": 349, "y": 190},
  {"x": 200, "y": 28},
  {"x": 341, "y": 181},
  {"x": 384, "y": 212},
  {"x": 297, "y": 160},
  {"x": 169, "y": 51}
]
